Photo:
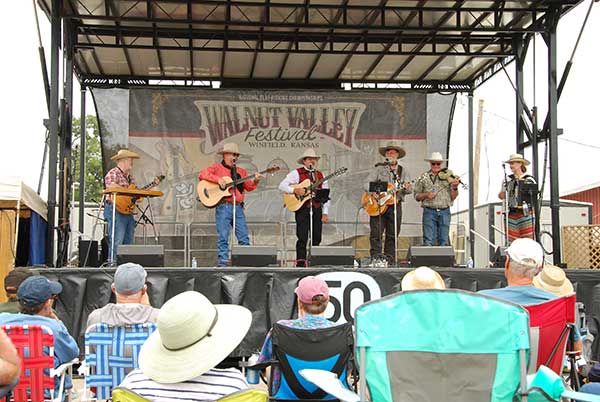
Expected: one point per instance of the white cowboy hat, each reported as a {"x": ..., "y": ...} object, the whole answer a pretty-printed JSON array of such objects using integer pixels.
[
  {"x": 436, "y": 157},
  {"x": 422, "y": 278},
  {"x": 398, "y": 148},
  {"x": 309, "y": 153},
  {"x": 517, "y": 158},
  {"x": 124, "y": 153},
  {"x": 554, "y": 280},
  {"x": 193, "y": 336},
  {"x": 229, "y": 148}
]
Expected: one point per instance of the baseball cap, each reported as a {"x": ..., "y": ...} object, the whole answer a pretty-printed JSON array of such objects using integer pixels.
[
  {"x": 15, "y": 277},
  {"x": 35, "y": 290},
  {"x": 526, "y": 252},
  {"x": 129, "y": 278},
  {"x": 309, "y": 287}
]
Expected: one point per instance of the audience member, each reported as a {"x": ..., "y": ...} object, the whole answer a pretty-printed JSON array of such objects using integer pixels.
[
  {"x": 9, "y": 361},
  {"x": 178, "y": 360},
  {"x": 422, "y": 278},
  {"x": 313, "y": 297},
  {"x": 130, "y": 289},
  {"x": 36, "y": 295},
  {"x": 593, "y": 384},
  {"x": 11, "y": 284}
]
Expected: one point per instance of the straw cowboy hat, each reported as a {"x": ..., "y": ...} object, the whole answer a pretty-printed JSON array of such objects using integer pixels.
[
  {"x": 309, "y": 153},
  {"x": 397, "y": 148},
  {"x": 517, "y": 158},
  {"x": 124, "y": 153},
  {"x": 193, "y": 336},
  {"x": 229, "y": 148},
  {"x": 436, "y": 157},
  {"x": 422, "y": 278},
  {"x": 554, "y": 280}
]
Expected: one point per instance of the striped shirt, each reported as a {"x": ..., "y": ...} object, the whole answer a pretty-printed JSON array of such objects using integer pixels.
[{"x": 210, "y": 386}]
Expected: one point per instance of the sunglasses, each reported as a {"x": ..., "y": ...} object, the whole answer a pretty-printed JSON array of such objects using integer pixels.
[{"x": 436, "y": 163}]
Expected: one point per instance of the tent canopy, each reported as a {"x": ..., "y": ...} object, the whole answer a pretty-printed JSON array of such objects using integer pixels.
[{"x": 14, "y": 193}]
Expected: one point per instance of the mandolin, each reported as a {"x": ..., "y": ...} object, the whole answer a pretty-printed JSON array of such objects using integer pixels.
[
  {"x": 294, "y": 202},
  {"x": 126, "y": 205}
]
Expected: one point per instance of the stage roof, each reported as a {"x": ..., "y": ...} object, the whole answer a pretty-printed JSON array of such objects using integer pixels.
[{"x": 313, "y": 43}]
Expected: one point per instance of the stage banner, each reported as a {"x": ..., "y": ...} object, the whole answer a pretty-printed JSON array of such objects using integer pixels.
[{"x": 178, "y": 133}]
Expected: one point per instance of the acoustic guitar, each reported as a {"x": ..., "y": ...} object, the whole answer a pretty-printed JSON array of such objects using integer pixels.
[
  {"x": 294, "y": 202},
  {"x": 126, "y": 205},
  {"x": 211, "y": 193},
  {"x": 377, "y": 205}
]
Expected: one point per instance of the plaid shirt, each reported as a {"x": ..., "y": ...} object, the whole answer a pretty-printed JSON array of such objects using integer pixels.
[
  {"x": 116, "y": 177},
  {"x": 428, "y": 182}
]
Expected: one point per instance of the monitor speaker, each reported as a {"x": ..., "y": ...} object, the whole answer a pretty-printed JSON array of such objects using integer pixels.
[
  {"x": 145, "y": 255},
  {"x": 253, "y": 256},
  {"x": 499, "y": 257},
  {"x": 88, "y": 253},
  {"x": 431, "y": 256},
  {"x": 332, "y": 255}
]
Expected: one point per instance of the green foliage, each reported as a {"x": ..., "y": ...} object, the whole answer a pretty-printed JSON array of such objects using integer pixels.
[{"x": 93, "y": 159}]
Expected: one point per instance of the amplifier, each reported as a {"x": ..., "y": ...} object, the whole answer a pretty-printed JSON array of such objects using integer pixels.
[
  {"x": 431, "y": 256},
  {"x": 253, "y": 256},
  {"x": 145, "y": 255},
  {"x": 88, "y": 253},
  {"x": 332, "y": 255}
]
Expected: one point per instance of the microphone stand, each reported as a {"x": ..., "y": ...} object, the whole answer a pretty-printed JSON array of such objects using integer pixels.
[
  {"x": 394, "y": 178},
  {"x": 505, "y": 206},
  {"x": 234, "y": 189},
  {"x": 311, "y": 172}
]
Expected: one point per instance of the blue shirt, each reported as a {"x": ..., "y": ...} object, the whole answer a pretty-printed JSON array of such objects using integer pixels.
[{"x": 65, "y": 347}]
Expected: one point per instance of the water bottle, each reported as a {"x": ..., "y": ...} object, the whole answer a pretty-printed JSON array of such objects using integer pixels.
[
  {"x": 252, "y": 376},
  {"x": 470, "y": 263},
  {"x": 194, "y": 263}
]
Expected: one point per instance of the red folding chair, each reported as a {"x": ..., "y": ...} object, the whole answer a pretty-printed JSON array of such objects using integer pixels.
[
  {"x": 35, "y": 347},
  {"x": 550, "y": 324}
]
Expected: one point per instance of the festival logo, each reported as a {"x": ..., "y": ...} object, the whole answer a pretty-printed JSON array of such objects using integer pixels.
[{"x": 278, "y": 125}]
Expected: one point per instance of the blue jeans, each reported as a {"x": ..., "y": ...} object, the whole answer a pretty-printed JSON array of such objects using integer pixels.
[
  {"x": 436, "y": 225},
  {"x": 224, "y": 221},
  {"x": 124, "y": 229}
]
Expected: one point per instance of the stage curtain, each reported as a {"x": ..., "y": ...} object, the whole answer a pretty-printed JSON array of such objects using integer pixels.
[{"x": 7, "y": 243}]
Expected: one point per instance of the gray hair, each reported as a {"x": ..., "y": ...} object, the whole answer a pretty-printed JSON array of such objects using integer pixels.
[{"x": 528, "y": 267}]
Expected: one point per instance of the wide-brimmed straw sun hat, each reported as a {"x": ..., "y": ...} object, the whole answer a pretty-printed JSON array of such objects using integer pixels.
[
  {"x": 229, "y": 148},
  {"x": 554, "y": 280},
  {"x": 422, "y": 278},
  {"x": 193, "y": 336},
  {"x": 124, "y": 153},
  {"x": 397, "y": 148},
  {"x": 309, "y": 153},
  {"x": 517, "y": 158},
  {"x": 436, "y": 157}
]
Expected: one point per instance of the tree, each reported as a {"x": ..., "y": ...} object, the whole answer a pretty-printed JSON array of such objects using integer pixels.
[{"x": 93, "y": 158}]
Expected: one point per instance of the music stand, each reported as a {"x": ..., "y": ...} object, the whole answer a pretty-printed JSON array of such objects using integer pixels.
[
  {"x": 377, "y": 186},
  {"x": 528, "y": 193},
  {"x": 321, "y": 195}
]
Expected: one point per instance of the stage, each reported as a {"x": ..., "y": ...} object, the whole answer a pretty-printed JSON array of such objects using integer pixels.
[{"x": 269, "y": 293}]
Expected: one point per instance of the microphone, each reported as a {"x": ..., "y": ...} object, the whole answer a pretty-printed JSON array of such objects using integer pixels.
[
  {"x": 387, "y": 162},
  {"x": 310, "y": 167}
]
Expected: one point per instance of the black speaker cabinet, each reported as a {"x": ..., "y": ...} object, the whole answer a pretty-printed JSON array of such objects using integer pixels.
[
  {"x": 431, "y": 256},
  {"x": 88, "y": 253},
  {"x": 145, "y": 255},
  {"x": 253, "y": 256},
  {"x": 332, "y": 255},
  {"x": 500, "y": 257}
]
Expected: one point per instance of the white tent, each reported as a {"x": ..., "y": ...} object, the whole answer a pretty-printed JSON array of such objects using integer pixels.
[{"x": 14, "y": 194}]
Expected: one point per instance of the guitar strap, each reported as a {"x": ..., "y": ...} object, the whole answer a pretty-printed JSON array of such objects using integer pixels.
[
  {"x": 234, "y": 176},
  {"x": 128, "y": 177}
]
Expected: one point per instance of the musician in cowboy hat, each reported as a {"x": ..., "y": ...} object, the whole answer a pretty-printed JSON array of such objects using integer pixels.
[
  {"x": 388, "y": 172},
  {"x": 436, "y": 197},
  {"x": 520, "y": 219},
  {"x": 224, "y": 211},
  {"x": 308, "y": 160},
  {"x": 119, "y": 176}
]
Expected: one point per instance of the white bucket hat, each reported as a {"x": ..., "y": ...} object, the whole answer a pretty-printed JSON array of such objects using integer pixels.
[
  {"x": 436, "y": 157},
  {"x": 554, "y": 280},
  {"x": 193, "y": 336},
  {"x": 422, "y": 278},
  {"x": 517, "y": 158},
  {"x": 309, "y": 153},
  {"x": 229, "y": 148}
]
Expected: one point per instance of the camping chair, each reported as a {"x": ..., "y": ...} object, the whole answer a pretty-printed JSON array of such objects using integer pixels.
[
  {"x": 111, "y": 352},
  {"x": 550, "y": 323},
  {"x": 295, "y": 349},
  {"x": 35, "y": 347}
]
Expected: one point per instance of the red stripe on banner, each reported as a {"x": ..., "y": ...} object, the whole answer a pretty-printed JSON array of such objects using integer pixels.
[
  {"x": 389, "y": 137},
  {"x": 169, "y": 134}
]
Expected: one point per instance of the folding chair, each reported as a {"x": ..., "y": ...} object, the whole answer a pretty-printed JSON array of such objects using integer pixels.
[
  {"x": 111, "y": 352},
  {"x": 329, "y": 349},
  {"x": 35, "y": 347},
  {"x": 550, "y": 323}
]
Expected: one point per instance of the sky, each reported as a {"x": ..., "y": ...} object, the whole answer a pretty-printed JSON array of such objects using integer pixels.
[{"x": 23, "y": 105}]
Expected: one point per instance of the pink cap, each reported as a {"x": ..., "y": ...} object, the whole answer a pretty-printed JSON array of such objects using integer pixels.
[{"x": 309, "y": 287}]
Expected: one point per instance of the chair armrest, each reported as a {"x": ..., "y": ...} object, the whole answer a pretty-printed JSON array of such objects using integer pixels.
[
  {"x": 83, "y": 369},
  {"x": 258, "y": 366},
  {"x": 59, "y": 371}
]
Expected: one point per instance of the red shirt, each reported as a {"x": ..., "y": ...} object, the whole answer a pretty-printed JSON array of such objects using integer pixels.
[
  {"x": 215, "y": 171},
  {"x": 116, "y": 177}
]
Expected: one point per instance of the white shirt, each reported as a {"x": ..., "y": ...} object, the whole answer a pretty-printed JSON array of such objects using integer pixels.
[
  {"x": 294, "y": 178},
  {"x": 210, "y": 386}
]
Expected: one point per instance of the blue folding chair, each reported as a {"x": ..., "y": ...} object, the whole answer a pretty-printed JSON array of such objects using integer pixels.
[{"x": 111, "y": 352}]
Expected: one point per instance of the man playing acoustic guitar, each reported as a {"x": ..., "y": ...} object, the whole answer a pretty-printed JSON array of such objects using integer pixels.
[
  {"x": 215, "y": 173},
  {"x": 382, "y": 218}
]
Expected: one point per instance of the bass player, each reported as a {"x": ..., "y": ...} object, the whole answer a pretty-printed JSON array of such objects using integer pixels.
[
  {"x": 308, "y": 160},
  {"x": 215, "y": 173},
  {"x": 384, "y": 222}
]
